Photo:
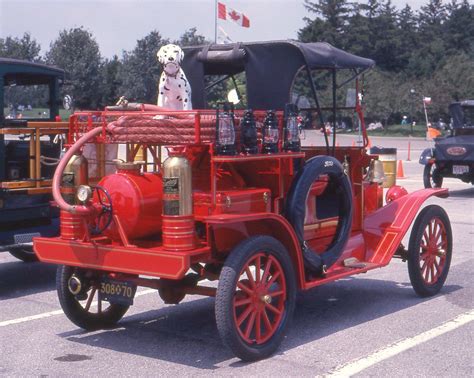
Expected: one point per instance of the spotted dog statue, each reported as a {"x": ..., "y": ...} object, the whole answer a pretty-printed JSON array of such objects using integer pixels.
[{"x": 174, "y": 91}]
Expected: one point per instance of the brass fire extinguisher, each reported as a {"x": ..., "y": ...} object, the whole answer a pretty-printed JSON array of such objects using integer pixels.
[
  {"x": 75, "y": 173},
  {"x": 177, "y": 185}
]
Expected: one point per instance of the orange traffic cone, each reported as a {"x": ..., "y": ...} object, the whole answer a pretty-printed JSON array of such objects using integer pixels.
[
  {"x": 400, "y": 173},
  {"x": 337, "y": 144},
  {"x": 353, "y": 143},
  {"x": 369, "y": 143}
]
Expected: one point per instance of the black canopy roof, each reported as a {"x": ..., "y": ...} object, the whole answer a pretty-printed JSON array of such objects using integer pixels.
[
  {"x": 23, "y": 72},
  {"x": 270, "y": 67}
]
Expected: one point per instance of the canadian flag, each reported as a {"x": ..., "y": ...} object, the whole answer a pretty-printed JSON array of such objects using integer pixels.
[{"x": 226, "y": 13}]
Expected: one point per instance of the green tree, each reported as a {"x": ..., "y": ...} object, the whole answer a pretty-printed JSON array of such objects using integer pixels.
[
  {"x": 140, "y": 69},
  {"x": 20, "y": 48},
  {"x": 111, "y": 81},
  {"x": 191, "y": 38},
  {"x": 76, "y": 51},
  {"x": 328, "y": 26}
]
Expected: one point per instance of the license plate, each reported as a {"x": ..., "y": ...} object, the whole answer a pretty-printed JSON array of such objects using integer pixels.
[
  {"x": 460, "y": 169},
  {"x": 117, "y": 292}
]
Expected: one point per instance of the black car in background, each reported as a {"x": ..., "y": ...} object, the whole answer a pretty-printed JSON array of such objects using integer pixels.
[
  {"x": 30, "y": 147},
  {"x": 452, "y": 155}
]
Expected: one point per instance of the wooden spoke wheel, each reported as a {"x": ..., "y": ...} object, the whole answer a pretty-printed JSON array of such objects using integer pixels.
[
  {"x": 85, "y": 307},
  {"x": 255, "y": 297},
  {"x": 429, "y": 252},
  {"x": 431, "y": 176}
]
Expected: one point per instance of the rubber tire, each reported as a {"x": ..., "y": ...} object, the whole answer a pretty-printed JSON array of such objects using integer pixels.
[
  {"x": 416, "y": 279},
  {"x": 427, "y": 177},
  {"x": 226, "y": 289},
  {"x": 296, "y": 206},
  {"x": 23, "y": 254},
  {"x": 76, "y": 313}
]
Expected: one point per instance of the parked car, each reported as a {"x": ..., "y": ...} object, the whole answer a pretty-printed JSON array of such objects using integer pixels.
[
  {"x": 452, "y": 155},
  {"x": 29, "y": 153}
]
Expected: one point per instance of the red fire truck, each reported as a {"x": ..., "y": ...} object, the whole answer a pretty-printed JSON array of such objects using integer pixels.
[{"x": 237, "y": 200}]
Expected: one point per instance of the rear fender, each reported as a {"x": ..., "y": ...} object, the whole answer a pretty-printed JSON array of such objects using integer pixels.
[
  {"x": 427, "y": 156},
  {"x": 228, "y": 230},
  {"x": 385, "y": 228}
]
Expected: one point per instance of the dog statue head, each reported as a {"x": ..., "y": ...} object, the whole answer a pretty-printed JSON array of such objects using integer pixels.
[{"x": 170, "y": 56}]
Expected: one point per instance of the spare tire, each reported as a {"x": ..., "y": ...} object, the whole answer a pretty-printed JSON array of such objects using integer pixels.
[{"x": 295, "y": 209}]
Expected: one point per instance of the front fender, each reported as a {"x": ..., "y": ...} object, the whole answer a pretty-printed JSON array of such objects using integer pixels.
[
  {"x": 385, "y": 228},
  {"x": 427, "y": 156}
]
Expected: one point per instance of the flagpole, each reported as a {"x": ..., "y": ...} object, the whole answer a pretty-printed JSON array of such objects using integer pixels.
[{"x": 215, "y": 21}]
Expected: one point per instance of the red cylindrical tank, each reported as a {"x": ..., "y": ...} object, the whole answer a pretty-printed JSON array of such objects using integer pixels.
[{"x": 136, "y": 200}]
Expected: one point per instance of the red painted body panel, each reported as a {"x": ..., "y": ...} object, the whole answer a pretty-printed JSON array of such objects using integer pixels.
[
  {"x": 152, "y": 261},
  {"x": 232, "y": 202}
]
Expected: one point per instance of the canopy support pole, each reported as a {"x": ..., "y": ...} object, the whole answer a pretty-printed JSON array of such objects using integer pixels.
[{"x": 321, "y": 120}]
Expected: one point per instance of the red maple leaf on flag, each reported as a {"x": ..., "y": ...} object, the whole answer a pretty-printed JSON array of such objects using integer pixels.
[{"x": 234, "y": 15}]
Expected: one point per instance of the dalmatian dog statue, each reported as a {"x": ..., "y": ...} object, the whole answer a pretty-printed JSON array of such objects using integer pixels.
[{"x": 174, "y": 91}]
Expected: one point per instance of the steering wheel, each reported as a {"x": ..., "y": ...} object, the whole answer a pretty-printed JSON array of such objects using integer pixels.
[{"x": 106, "y": 213}]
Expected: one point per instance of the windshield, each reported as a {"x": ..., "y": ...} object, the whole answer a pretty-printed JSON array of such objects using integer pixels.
[
  {"x": 27, "y": 101},
  {"x": 468, "y": 116}
]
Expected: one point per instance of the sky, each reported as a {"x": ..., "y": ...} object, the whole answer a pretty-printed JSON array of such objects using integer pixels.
[{"x": 118, "y": 24}]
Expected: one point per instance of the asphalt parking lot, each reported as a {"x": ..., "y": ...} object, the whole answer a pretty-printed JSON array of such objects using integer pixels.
[{"x": 367, "y": 325}]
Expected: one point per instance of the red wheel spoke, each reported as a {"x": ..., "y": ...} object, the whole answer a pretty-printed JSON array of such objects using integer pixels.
[
  {"x": 423, "y": 267},
  {"x": 242, "y": 302},
  {"x": 243, "y": 287},
  {"x": 258, "y": 329},
  {"x": 267, "y": 269},
  {"x": 258, "y": 264},
  {"x": 432, "y": 272},
  {"x": 250, "y": 325},
  {"x": 244, "y": 315},
  {"x": 266, "y": 320},
  {"x": 276, "y": 293},
  {"x": 273, "y": 308},
  {"x": 427, "y": 273},
  {"x": 89, "y": 300},
  {"x": 250, "y": 276},
  {"x": 424, "y": 255},
  {"x": 272, "y": 280}
]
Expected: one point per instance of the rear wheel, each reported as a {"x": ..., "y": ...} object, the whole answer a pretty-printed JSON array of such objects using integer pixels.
[
  {"x": 24, "y": 254},
  {"x": 255, "y": 297},
  {"x": 429, "y": 251},
  {"x": 84, "y": 308},
  {"x": 431, "y": 176}
]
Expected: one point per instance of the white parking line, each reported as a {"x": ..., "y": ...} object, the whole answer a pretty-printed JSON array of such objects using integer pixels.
[
  {"x": 56, "y": 312},
  {"x": 389, "y": 351}
]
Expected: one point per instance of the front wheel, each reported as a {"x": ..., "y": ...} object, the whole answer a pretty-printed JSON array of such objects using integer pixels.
[
  {"x": 255, "y": 297},
  {"x": 431, "y": 176},
  {"x": 429, "y": 251},
  {"x": 85, "y": 308}
]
